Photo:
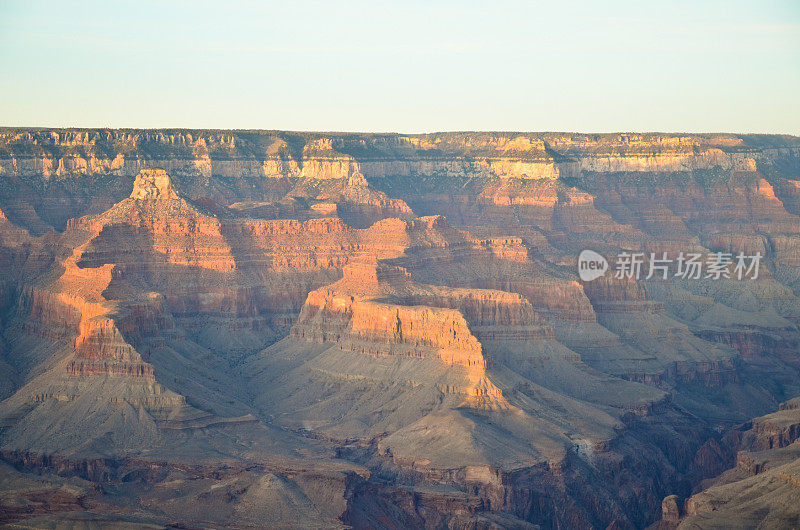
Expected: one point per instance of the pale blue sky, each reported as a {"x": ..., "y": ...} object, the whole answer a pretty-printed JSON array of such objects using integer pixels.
[{"x": 410, "y": 66}]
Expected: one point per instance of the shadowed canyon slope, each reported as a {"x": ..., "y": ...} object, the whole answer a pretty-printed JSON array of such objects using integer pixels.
[{"x": 214, "y": 328}]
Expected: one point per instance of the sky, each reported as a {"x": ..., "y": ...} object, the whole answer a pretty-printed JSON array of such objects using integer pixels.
[{"x": 403, "y": 66}]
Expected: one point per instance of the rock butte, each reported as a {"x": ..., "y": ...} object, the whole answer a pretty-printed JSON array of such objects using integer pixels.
[{"x": 223, "y": 328}]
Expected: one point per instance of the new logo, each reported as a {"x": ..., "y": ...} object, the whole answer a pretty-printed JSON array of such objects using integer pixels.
[{"x": 591, "y": 265}]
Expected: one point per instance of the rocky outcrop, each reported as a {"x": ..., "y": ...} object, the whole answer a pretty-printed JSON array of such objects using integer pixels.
[
  {"x": 418, "y": 322},
  {"x": 73, "y": 310},
  {"x": 760, "y": 486},
  {"x": 774, "y": 431},
  {"x": 420, "y": 315}
]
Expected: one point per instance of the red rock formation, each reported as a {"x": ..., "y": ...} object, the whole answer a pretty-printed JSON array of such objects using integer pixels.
[
  {"x": 378, "y": 310},
  {"x": 340, "y": 315}
]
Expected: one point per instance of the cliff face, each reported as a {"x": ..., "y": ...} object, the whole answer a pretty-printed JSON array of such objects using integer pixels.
[
  {"x": 236, "y": 154},
  {"x": 378, "y": 310},
  {"x": 397, "y": 317},
  {"x": 757, "y": 484},
  {"x": 261, "y": 164}
]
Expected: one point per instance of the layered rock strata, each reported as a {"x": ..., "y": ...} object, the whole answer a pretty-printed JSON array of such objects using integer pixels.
[{"x": 274, "y": 296}]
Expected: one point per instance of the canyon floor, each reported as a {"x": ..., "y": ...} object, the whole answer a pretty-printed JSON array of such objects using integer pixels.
[{"x": 206, "y": 329}]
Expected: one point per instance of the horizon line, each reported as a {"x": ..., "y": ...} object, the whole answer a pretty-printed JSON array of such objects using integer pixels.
[{"x": 361, "y": 132}]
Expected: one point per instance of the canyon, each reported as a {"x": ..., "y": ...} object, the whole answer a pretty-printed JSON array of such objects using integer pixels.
[{"x": 208, "y": 328}]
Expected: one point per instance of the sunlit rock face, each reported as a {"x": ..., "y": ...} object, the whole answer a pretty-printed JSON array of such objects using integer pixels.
[
  {"x": 390, "y": 329},
  {"x": 153, "y": 185}
]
